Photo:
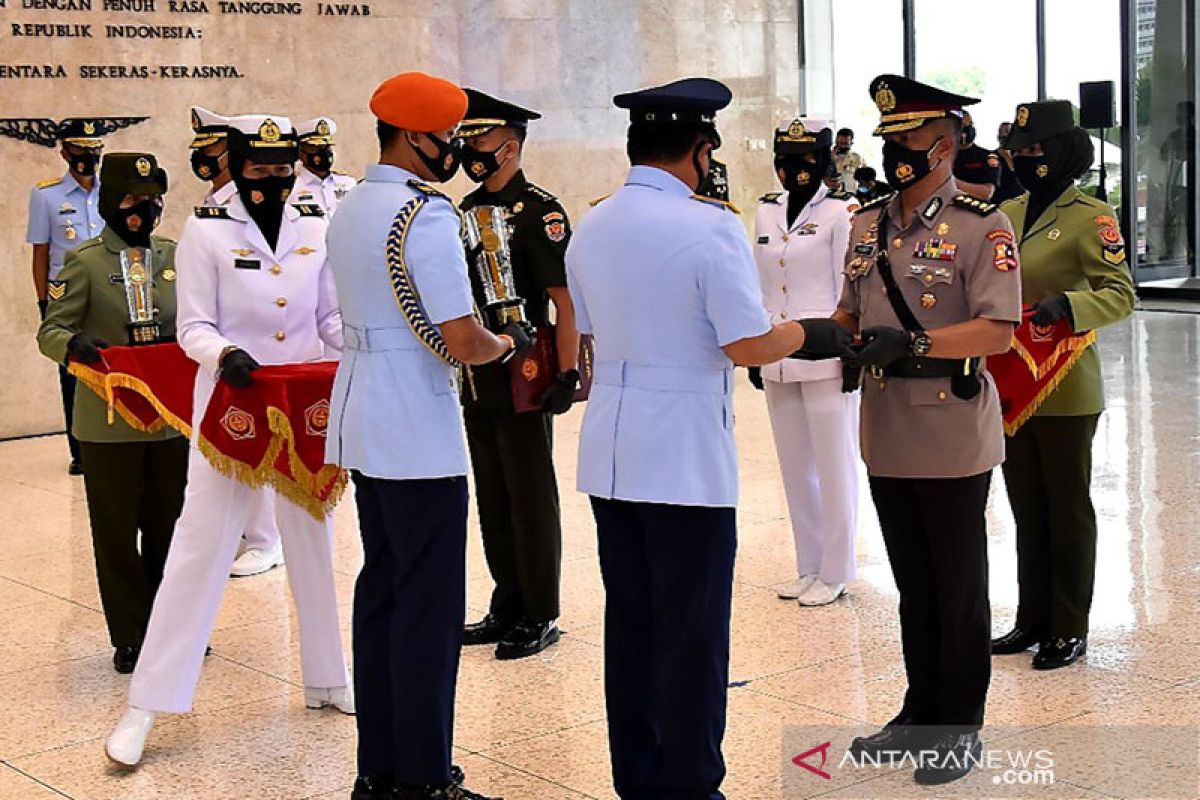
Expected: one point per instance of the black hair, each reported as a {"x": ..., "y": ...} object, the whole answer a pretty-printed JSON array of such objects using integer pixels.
[
  {"x": 520, "y": 133},
  {"x": 845, "y": 132},
  {"x": 656, "y": 144},
  {"x": 864, "y": 174},
  {"x": 387, "y": 134}
]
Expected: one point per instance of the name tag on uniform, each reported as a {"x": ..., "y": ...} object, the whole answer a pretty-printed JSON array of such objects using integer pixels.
[
  {"x": 116, "y": 278},
  {"x": 862, "y": 249},
  {"x": 764, "y": 240},
  {"x": 807, "y": 229},
  {"x": 66, "y": 210},
  {"x": 247, "y": 263}
]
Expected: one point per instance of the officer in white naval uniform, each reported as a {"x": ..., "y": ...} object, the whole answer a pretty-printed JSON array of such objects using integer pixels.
[
  {"x": 666, "y": 282},
  {"x": 254, "y": 287},
  {"x": 317, "y": 182},
  {"x": 800, "y": 243},
  {"x": 63, "y": 214},
  {"x": 261, "y": 549},
  {"x": 401, "y": 274}
]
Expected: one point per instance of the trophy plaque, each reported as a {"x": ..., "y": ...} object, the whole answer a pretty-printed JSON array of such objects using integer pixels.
[{"x": 137, "y": 272}]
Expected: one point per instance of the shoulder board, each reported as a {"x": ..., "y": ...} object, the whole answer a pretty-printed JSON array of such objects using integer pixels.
[
  {"x": 212, "y": 212},
  {"x": 541, "y": 193},
  {"x": 49, "y": 183},
  {"x": 980, "y": 207},
  {"x": 876, "y": 203},
  {"x": 770, "y": 197},
  {"x": 840, "y": 195},
  {"x": 89, "y": 244},
  {"x": 307, "y": 210},
  {"x": 725, "y": 204},
  {"x": 599, "y": 200},
  {"x": 426, "y": 189},
  {"x": 344, "y": 175}
]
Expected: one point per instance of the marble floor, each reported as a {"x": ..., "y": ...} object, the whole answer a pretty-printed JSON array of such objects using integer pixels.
[{"x": 535, "y": 729}]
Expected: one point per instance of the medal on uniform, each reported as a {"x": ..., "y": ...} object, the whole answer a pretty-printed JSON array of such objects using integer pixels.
[
  {"x": 943, "y": 228},
  {"x": 928, "y": 300},
  {"x": 485, "y": 236},
  {"x": 69, "y": 233},
  {"x": 136, "y": 270}
]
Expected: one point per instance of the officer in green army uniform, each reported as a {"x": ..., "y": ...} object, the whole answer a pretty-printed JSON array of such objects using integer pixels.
[
  {"x": 134, "y": 479},
  {"x": 512, "y": 453},
  {"x": 1073, "y": 267}
]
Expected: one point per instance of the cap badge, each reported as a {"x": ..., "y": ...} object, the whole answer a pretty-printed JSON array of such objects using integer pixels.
[
  {"x": 322, "y": 128},
  {"x": 195, "y": 120},
  {"x": 1042, "y": 170},
  {"x": 885, "y": 98},
  {"x": 796, "y": 129},
  {"x": 1022, "y": 116},
  {"x": 269, "y": 131},
  {"x": 89, "y": 128},
  {"x": 143, "y": 167}
]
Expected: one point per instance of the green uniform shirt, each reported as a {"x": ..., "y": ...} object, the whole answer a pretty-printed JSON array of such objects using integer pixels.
[
  {"x": 89, "y": 296},
  {"x": 538, "y": 231},
  {"x": 1075, "y": 247}
]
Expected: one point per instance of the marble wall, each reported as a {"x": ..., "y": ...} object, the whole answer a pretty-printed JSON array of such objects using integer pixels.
[{"x": 565, "y": 58}]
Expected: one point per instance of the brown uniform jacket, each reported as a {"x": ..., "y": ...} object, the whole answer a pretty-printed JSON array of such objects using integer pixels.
[{"x": 955, "y": 261}]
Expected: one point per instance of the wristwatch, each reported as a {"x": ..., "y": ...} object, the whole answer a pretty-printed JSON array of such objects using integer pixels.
[{"x": 921, "y": 344}]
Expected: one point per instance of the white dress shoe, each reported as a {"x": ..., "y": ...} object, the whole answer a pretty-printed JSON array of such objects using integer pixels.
[
  {"x": 821, "y": 593},
  {"x": 793, "y": 589},
  {"x": 127, "y": 741},
  {"x": 340, "y": 697},
  {"x": 255, "y": 562}
]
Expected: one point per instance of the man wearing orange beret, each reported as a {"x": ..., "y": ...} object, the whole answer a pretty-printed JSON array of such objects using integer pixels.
[{"x": 407, "y": 312}]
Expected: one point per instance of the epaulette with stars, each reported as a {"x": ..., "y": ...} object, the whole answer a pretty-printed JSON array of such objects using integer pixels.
[
  {"x": 712, "y": 201},
  {"x": 212, "y": 212},
  {"x": 540, "y": 193},
  {"x": 876, "y": 203},
  {"x": 426, "y": 189},
  {"x": 770, "y": 197},
  {"x": 48, "y": 183},
  {"x": 980, "y": 207},
  {"x": 839, "y": 195}
]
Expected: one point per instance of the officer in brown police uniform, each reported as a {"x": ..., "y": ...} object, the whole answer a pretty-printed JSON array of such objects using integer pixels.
[{"x": 931, "y": 286}]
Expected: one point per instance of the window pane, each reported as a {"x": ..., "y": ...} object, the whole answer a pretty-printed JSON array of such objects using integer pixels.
[{"x": 999, "y": 65}]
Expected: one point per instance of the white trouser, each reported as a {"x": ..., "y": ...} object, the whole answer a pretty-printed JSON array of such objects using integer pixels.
[
  {"x": 262, "y": 532},
  {"x": 215, "y": 511},
  {"x": 816, "y": 436}
]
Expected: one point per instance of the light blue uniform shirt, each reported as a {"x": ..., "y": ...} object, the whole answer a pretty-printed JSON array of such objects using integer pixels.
[
  {"x": 663, "y": 281},
  {"x": 394, "y": 412},
  {"x": 64, "y": 216}
]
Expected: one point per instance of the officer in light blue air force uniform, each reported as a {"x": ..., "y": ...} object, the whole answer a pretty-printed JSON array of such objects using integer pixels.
[{"x": 666, "y": 282}]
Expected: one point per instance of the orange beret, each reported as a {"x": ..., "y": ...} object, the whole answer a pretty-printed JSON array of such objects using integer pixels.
[{"x": 418, "y": 102}]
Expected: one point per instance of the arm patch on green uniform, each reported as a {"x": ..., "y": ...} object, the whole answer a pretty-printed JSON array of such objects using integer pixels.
[{"x": 56, "y": 290}]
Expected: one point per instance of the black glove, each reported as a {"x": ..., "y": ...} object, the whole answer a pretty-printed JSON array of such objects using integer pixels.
[
  {"x": 883, "y": 346},
  {"x": 522, "y": 335},
  {"x": 851, "y": 376},
  {"x": 824, "y": 338},
  {"x": 85, "y": 347},
  {"x": 561, "y": 394},
  {"x": 1051, "y": 310},
  {"x": 755, "y": 377},
  {"x": 236, "y": 367}
]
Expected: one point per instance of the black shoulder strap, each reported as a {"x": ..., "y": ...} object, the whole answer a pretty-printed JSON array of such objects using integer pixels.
[{"x": 899, "y": 305}]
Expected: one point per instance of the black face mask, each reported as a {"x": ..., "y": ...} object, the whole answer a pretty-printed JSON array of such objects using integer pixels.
[
  {"x": 841, "y": 151},
  {"x": 968, "y": 135},
  {"x": 904, "y": 167},
  {"x": 135, "y": 223},
  {"x": 701, "y": 172},
  {"x": 480, "y": 164},
  {"x": 206, "y": 167},
  {"x": 321, "y": 160},
  {"x": 265, "y": 199},
  {"x": 445, "y": 164},
  {"x": 84, "y": 164},
  {"x": 1032, "y": 171}
]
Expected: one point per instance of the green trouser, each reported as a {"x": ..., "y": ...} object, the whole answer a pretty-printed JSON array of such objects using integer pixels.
[
  {"x": 1048, "y": 473},
  {"x": 132, "y": 486}
]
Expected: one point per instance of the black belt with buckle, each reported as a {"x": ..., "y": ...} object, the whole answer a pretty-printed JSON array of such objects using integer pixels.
[{"x": 917, "y": 367}]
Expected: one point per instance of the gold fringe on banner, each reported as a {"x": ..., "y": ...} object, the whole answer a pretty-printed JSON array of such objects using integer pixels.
[
  {"x": 1073, "y": 343},
  {"x": 1010, "y": 428}
]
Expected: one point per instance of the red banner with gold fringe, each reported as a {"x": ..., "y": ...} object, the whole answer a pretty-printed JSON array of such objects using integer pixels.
[
  {"x": 272, "y": 433},
  {"x": 1040, "y": 357}
]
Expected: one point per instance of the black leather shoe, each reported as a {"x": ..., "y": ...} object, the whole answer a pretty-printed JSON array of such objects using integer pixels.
[
  {"x": 489, "y": 630},
  {"x": 373, "y": 787},
  {"x": 1018, "y": 640},
  {"x": 454, "y": 791},
  {"x": 528, "y": 639},
  {"x": 125, "y": 659},
  {"x": 1056, "y": 653},
  {"x": 954, "y": 756},
  {"x": 75, "y": 467},
  {"x": 898, "y": 737}
]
